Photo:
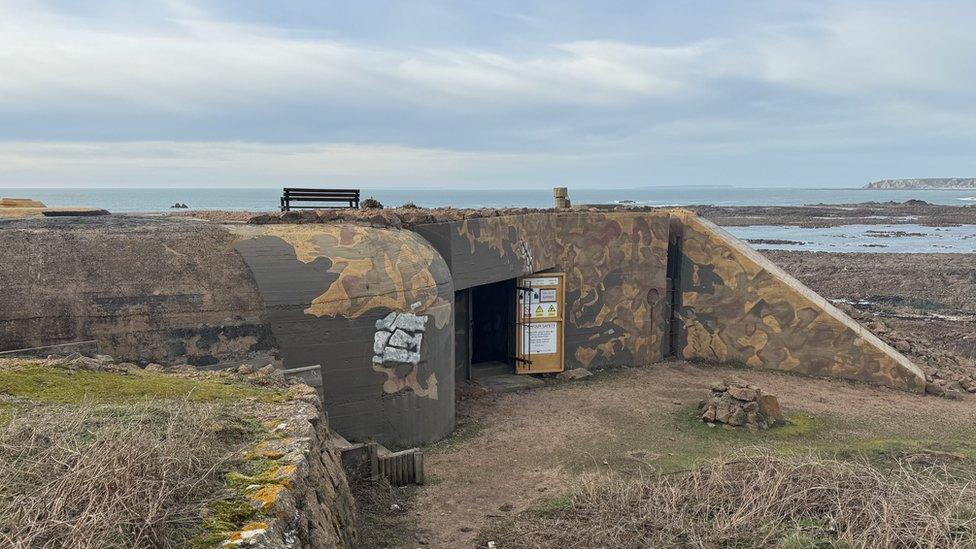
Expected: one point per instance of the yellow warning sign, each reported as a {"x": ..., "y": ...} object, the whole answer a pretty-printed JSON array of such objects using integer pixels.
[
  {"x": 538, "y": 311},
  {"x": 551, "y": 311}
]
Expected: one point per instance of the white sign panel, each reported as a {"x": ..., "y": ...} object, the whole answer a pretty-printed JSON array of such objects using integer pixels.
[
  {"x": 540, "y": 304},
  {"x": 540, "y": 338},
  {"x": 547, "y": 281}
]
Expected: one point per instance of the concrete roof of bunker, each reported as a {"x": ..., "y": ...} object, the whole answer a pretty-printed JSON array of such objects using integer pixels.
[{"x": 409, "y": 217}]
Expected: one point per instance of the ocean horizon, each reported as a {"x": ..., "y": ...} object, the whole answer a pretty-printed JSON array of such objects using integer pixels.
[{"x": 132, "y": 200}]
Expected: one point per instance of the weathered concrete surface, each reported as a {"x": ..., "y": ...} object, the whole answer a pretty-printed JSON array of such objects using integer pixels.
[
  {"x": 736, "y": 306},
  {"x": 615, "y": 273},
  {"x": 374, "y": 307},
  {"x": 148, "y": 290}
]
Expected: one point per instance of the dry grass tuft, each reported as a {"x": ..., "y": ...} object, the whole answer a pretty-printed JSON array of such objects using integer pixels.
[
  {"x": 103, "y": 477},
  {"x": 761, "y": 500}
]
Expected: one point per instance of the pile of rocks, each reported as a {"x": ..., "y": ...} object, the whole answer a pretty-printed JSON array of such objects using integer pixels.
[{"x": 738, "y": 404}]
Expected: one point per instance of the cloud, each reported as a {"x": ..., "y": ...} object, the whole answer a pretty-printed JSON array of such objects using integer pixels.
[
  {"x": 181, "y": 91},
  {"x": 862, "y": 49},
  {"x": 169, "y": 163},
  {"x": 196, "y": 66}
]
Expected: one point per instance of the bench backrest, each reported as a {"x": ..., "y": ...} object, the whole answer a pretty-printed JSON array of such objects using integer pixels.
[{"x": 294, "y": 194}]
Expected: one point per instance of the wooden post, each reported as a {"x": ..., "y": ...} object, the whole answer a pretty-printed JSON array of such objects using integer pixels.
[
  {"x": 418, "y": 467},
  {"x": 374, "y": 460}
]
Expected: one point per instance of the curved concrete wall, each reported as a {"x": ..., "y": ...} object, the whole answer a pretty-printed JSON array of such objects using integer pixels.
[
  {"x": 171, "y": 291},
  {"x": 374, "y": 307}
]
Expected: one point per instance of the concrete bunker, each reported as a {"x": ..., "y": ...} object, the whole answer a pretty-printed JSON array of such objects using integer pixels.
[{"x": 389, "y": 309}]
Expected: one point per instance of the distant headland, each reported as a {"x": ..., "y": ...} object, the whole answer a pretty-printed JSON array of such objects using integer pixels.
[{"x": 927, "y": 183}]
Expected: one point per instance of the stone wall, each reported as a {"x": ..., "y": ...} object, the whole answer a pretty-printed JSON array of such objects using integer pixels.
[{"x": 303, "y": 499}]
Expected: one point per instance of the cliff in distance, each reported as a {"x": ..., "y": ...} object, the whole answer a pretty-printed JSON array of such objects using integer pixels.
[{"x": 927, "y": 183}]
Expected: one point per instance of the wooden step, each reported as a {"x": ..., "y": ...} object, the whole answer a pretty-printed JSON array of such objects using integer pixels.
[{"x": 398, "y": 468}]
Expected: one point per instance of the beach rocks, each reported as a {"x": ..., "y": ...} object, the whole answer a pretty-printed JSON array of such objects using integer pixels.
[
  {"x": 947, "y": 374},
  {"x": 738, "y": 404}
]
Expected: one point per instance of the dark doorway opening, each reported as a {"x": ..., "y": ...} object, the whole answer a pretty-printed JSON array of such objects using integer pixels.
[
  {"x": 672, "y": 341},
  {"x": 492, "y": 334}
]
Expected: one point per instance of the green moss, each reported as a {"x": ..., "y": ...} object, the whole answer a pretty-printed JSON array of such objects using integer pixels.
[
  {"x": 694, "y": 439},
  {"x": 554, "y": 505},
  {"x": 224, "y": 516},
  {"x": 38, "y": 382},
  {"x": 881, "y": 450}
]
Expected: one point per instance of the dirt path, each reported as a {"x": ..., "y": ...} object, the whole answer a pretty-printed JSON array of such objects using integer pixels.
[{"x": 519, "y": 451}]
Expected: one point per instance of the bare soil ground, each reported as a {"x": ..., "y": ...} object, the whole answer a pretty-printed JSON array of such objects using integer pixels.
[
  {"x": 523, "y": 451},
  {"x": 527, "y": 451}
]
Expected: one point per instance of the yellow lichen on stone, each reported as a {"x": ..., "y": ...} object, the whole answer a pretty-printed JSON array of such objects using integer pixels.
[{"x": 267, "y": 495}]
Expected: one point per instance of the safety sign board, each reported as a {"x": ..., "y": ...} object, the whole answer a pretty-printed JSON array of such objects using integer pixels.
[
  {"x": 540, "y": 304},
  {"x": 540, "y": 338}
]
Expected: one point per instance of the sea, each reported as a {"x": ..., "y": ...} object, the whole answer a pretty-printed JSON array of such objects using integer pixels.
[
  {"x": 128, "y": 200},
  {"x": 848, "y": 238}
]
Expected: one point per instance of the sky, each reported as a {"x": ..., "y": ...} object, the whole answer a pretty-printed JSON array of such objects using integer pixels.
[{"x": 491, "y": 94}]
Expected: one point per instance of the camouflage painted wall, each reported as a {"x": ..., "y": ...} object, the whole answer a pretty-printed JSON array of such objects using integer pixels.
[
  {"x": 738, "y": 307},
  {"x": 615, "y": 273},
  {"x": 149, "y": 290},
  {"x": 373, "y": 307}
]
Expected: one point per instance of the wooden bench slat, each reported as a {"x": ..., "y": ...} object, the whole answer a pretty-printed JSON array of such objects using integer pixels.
[{"x": 295, "y": 194}]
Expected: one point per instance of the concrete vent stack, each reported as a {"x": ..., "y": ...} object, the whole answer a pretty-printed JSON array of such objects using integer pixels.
[{"x": 561, "y": 196}]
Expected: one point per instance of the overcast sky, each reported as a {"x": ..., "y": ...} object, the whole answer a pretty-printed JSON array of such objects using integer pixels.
[{"x": 488, "y": 94}]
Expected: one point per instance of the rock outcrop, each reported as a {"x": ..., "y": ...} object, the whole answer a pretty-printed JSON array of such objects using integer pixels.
[{"x": 925, "y": 183}]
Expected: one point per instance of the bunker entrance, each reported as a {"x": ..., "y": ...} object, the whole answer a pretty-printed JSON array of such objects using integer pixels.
[{"x": 489, "y": 345}]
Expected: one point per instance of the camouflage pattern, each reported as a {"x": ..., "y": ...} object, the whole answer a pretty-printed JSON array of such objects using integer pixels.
[
  {"x": 615, "y": 281},
  {"x": 147, "y": 289},
  {"x": 167, "y": 290},
  {"x": 376, "y": 269},
  {"x": 374, "y": 307},
  {"x": 738, "y": 307},
  {"x": 615, "y": 273}
]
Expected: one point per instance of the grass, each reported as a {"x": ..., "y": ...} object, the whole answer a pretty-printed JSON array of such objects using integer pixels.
[
  {"x": 759, "y": 499},
  {"x": 554, "y": 505},
  {"x": 36, "y": 381},
  {"x": 380, "y": 526},
  {"x": 136, "y": 475},
  {"x": 136, "y": 459}
]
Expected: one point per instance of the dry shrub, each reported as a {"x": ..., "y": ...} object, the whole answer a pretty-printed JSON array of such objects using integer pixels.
[
  {"x": 761, "y": 500},
  {"x": 101, "y": 477}
]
